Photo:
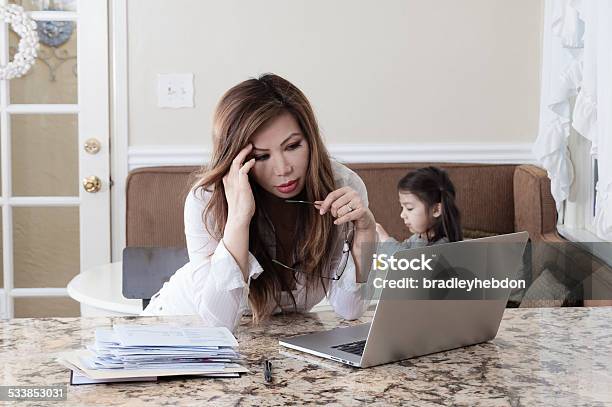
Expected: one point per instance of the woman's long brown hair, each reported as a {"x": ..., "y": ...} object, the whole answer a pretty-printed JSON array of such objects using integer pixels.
[{"x": 241, "y": 111}]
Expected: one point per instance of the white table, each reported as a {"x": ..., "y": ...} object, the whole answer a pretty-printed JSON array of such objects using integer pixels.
[{"x": 99, "y": 292}]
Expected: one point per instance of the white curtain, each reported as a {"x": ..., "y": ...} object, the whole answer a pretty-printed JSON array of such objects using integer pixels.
[
  {"x": 561, "y": 54},
  {"x": 577, "y": 61},
  {"x": 601, "y": 14}
]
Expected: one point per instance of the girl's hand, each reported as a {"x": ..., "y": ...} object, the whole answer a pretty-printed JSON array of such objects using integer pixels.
[
  {"x": 382, "y": 233},
  {"x": 346, "y": 205},
  {"x": 238, "y": 192}
]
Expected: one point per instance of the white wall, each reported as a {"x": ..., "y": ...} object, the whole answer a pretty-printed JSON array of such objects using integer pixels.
[{"x": 393, "y": 71}]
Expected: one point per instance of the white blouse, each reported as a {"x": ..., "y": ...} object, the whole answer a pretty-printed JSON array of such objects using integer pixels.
[{"x": 211, "y": 284}]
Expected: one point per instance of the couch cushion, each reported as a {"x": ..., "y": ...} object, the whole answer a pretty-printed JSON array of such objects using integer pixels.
[
  {"x": 155, "y": 198},
  {"x": 535, "y": 209}
]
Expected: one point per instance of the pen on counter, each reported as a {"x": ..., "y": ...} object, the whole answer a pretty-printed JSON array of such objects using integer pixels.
[{"x": 267, "y": 365}]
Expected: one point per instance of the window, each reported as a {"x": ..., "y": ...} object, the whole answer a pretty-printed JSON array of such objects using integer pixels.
[{"x": 578, "y": 220}]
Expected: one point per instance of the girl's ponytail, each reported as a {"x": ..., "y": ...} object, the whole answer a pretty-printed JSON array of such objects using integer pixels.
[{"x": 451, "y": 217}]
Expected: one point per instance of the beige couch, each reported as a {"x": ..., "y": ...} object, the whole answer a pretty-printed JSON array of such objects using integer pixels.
[{"x": 493, "y": 199}]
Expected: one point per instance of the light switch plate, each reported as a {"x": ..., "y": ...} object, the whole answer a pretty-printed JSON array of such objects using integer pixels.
[{"x": 175, "y": 90}]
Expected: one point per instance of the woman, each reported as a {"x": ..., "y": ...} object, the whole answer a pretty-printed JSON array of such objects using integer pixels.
[{"x": 271, "y": 222}]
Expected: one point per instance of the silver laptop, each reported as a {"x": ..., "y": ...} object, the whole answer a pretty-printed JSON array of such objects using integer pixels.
[{"x": 410, "y": 323}]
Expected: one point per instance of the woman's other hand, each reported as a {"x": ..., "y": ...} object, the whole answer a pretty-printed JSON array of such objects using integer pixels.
[
  {"x": 238, "y": 192},
  {"x": 346, "y": 205},
  {"x": 381, "y": 232}
]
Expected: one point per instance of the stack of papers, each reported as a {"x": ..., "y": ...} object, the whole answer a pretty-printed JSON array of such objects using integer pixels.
[{"x": 145, "y": 352}]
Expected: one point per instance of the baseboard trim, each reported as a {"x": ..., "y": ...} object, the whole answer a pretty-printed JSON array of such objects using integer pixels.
[{"x": 162, "y": 155}]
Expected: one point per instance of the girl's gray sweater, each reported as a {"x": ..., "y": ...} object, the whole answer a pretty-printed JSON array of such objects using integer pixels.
[{"x": 391, "y": 245}]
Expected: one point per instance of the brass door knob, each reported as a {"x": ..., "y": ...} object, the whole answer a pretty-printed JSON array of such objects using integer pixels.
[
  {"x": 92, "y": 184},
  {"x": 92, "y": 146}
]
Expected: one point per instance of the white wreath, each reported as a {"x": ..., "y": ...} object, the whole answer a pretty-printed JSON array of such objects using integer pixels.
[{"x": 25, "y": 28}]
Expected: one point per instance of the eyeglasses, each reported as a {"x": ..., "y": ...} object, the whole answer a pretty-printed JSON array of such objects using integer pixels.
[{"x": 346, "y": 250}]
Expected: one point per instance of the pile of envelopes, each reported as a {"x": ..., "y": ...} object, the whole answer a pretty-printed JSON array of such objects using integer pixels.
[{"x": 146, "y": 352}]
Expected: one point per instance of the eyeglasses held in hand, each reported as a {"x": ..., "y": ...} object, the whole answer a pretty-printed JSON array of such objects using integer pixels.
[{"x": 346, "y": 250}]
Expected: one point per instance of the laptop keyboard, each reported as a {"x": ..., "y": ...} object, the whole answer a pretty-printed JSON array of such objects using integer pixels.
[{"x": 356, "y": 348}]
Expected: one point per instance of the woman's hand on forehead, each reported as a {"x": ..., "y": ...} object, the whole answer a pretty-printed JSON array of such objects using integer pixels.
[{"x": 238, "y": 192}]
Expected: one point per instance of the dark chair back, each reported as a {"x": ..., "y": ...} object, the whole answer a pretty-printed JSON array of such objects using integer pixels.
[{"x": 146, "y": 269}]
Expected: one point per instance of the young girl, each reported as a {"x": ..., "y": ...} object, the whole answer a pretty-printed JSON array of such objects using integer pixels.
[{"x": 427, "y": 196}]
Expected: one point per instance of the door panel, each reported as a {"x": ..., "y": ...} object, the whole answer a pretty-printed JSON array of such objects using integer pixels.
[
  {"x": 46, "y": 307},
  {"x": 55, "y": 70},
  {"x": 45, "y": 155},
  {"x": 45, "y": 246}
]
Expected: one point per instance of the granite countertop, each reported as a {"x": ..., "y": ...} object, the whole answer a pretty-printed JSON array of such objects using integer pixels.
[{"x": 549, "y": 356}]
